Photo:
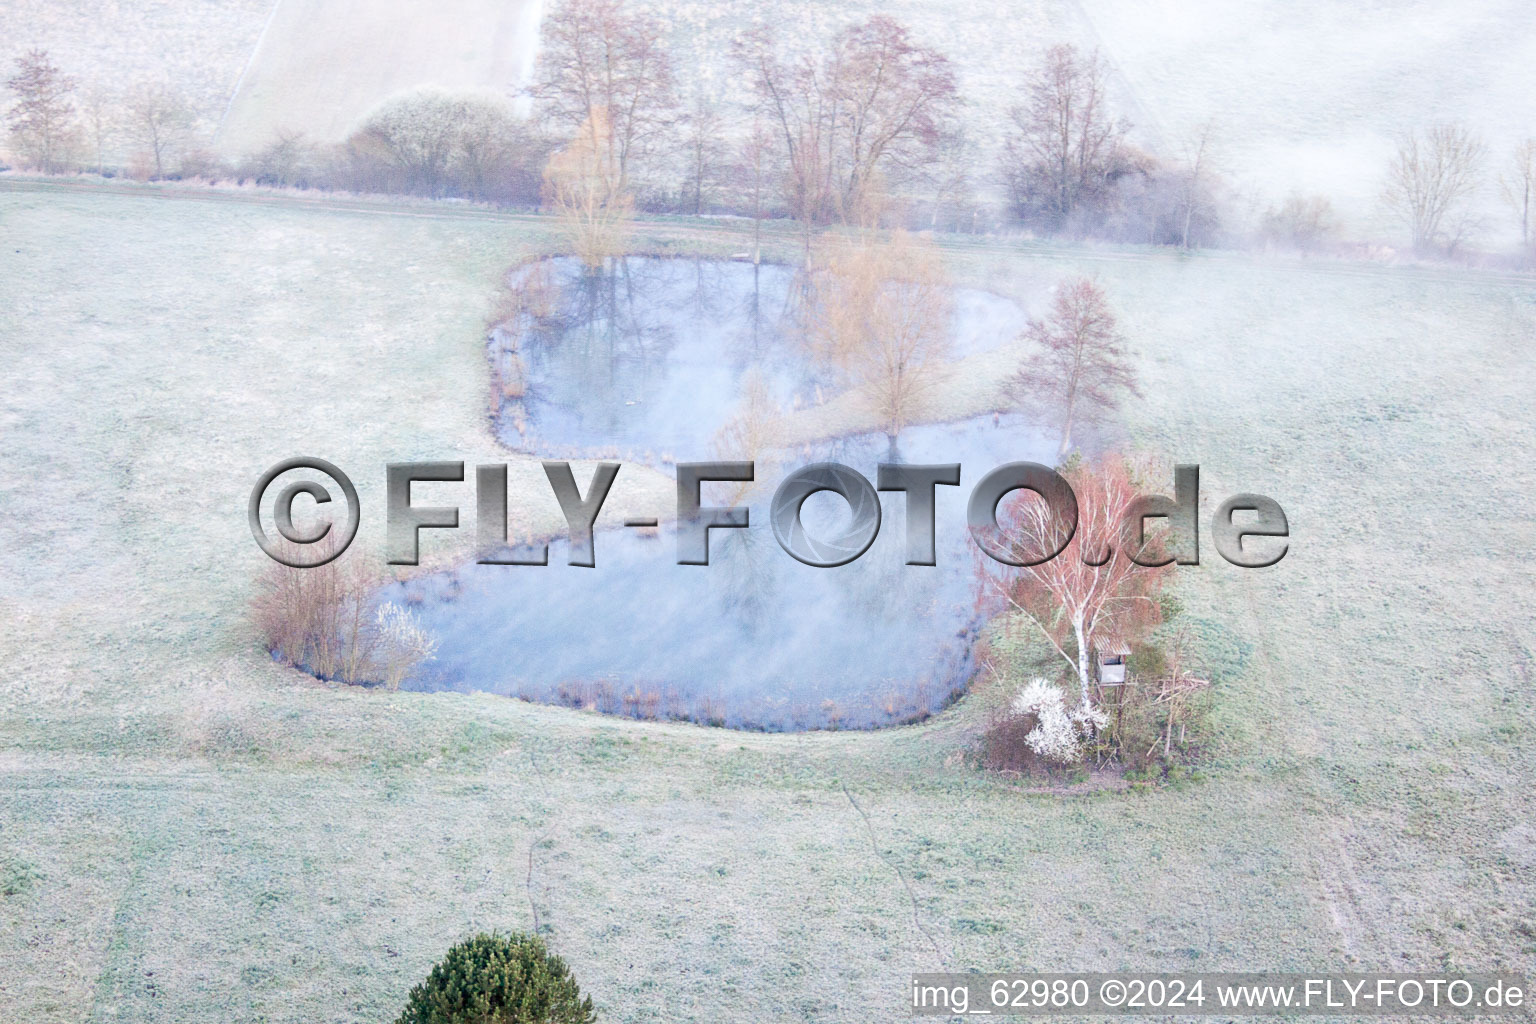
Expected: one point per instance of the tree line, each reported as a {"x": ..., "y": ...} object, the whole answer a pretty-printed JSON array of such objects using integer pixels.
[{"x": 867, "y": 127}]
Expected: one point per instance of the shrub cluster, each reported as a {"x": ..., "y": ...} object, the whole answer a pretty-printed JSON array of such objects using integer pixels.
[
  {"x": 325, "y": 619},
  {"x": 1157, "y": 724}
]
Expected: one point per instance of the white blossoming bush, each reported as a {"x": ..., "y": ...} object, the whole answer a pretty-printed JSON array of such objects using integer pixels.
[
  {"x": 402, "y": 643},
  {"x": 1058, "y": 733}
]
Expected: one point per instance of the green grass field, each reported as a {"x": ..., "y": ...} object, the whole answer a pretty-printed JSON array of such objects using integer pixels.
[{"x": 190, "y": 832}]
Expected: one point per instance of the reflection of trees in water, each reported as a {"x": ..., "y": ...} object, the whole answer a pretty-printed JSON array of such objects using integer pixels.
[
  {"x": 754, "y": 311},
  {"x": 766, "y": 320},
  {"x": 879, "y": 584},
  {"x": 821, "y": 377},
  {"x": 628, "y": 309},
  {"x": 708, "y": 296},
  {"x": 743, "y": 567},
  {"x": 607, "y": 340},
  {"x": 601, "y": 338},
  {"x": 750, "y": 325},
  {"x": 630, "y": 333}
]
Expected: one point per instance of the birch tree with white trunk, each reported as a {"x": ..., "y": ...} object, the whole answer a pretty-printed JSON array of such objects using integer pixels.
[{"x": 1092, "y": 589}]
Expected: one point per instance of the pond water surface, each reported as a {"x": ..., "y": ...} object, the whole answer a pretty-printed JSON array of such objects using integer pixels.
[{"x": 647, "y": 361}]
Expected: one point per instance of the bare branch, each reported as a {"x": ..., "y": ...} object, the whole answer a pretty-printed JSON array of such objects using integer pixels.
[{"x": 1430, "y": 181}]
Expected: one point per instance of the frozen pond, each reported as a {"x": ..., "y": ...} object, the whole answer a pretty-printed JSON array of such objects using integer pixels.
[{"x": 645, "y": 364}]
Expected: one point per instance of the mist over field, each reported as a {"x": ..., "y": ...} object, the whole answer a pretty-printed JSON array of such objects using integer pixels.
[
  {"x": 1305, "y": 96},
  {"x": 1251, "y": 283}
]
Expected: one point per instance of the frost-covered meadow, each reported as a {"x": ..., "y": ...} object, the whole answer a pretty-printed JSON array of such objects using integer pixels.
[
  {"x": 201, "y": 49},
  {"x": 189, "y": 831}
]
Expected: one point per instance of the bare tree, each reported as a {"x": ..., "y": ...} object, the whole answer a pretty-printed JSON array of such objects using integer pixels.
[
  {"x": 873, "y": 102},
  {"x": 1194, "y": 183},
  {"x": 1066, "y": 144},
  {"x": 602, "y": 65},
  {"x": 99, "y": 117},
  {"x": 704, "y": 152},
  {"x": 1518, "y": 186},
  {"x": 1302, "y": 221},
  {"x": 282, "y": 162},
  {"x": 158, "y": 120},
  {"x": 754, "y": 164},
  {"x": 896, "y": 99},
  {"x": 1177, "y": 688},
  {"x": 944, "y": 181},
  {"x": 488, "y": 139},
  {"x": 401, "y": 643},
  {"x": 432, "y": 141},
  {"x": 323, "y": 619},
  {"x": 1080, "y": 363},
  {"x": 585, "y": 187},
  {"x": 1429, "y": 182},
  {"x": 1091, "y": 588},
  {"x": 42, "y": 120},
  {"x": 880, "y": 315},
  {"x": 789, "y": 98}
]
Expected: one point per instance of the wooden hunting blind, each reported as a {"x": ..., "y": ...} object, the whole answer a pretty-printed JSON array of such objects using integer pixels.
[{"x": 1109, "y": 658}]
